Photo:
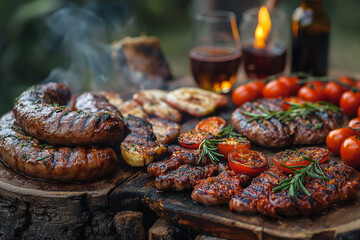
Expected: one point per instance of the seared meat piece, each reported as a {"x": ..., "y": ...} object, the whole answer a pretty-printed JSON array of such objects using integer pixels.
[
  {"x": 177, "y": 158},
  {"x": 273, "y": 133},
  {"x": 184, "y": 177},
  {"x": 153, "y": 103},
  {"x": 218, "y": 190},
  {"x": 113, "y": 98},
  {"x": 342, "y": 186},
  {"x": 164, "y": 130},
  {"x": 40, "y": 112},
  {"x": 28, "y": 156},
  {"x": 261, "y": 186},
  {"x": 130, "y": 107},
  {"x": 140, "y": 147}
]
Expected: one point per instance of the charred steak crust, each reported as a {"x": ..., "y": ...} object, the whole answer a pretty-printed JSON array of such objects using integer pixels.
[
  {"x": 342, "y": 185},
  {"x": 28, "y": 156},
  {"x": 40, "y": 111},
  {"x": 273, "y": 133}
]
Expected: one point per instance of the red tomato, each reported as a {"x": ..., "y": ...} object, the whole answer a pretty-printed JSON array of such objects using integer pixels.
[
  {"x": 231, "y": 144},
  {"x": 257, "y": 86},
  {"x": 354, "y": 123},
  {"x": 336, "y": 137},
  {"x": 350, "y": 151},
  {"x": 318, "y": 87},
  {"x": 359, "y": 112},
  {"x": 247, "y": 162},
  {"x": 243, "y": 94},
  {"x": 193, "y": 138},
  {"x": 308, "y": 94},
  {"x": 211, "y": 124},
  {"x": 333, "y": 92},
  {"x": 349, "y": 103},
  {"x": 285, "y": 101},
  {"x": 347, "y": 80},
  {"x": 275, "y": 89},
  {"x": 291, "y": 83},
  {"x": 291, "y": 158}
]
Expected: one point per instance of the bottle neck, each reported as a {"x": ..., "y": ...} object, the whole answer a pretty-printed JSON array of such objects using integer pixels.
[{"x": 316, "y": 5}]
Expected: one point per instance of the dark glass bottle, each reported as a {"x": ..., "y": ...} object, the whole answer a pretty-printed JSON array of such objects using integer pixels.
[{"x": 310, "y": 27}]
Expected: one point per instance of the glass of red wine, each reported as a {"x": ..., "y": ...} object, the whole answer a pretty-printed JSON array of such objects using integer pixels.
[
  {"x": 216, "y": 53},
  {"x": 264, "y": 36}
]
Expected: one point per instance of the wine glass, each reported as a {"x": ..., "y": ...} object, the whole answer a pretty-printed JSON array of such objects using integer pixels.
[{"x": 216, "y": 53}]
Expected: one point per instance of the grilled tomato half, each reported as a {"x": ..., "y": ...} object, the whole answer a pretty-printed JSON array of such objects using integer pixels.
[
  {"x": 193, "y": 138},
  {"x": 293, "y": 158},
  {"x": 247, "y": 162},
  {"x": 211, "y": 124},
  {"x": 230, "y": 144}
]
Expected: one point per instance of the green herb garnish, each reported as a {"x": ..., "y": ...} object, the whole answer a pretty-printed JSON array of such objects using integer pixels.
[{"x": 295, "y": 182}]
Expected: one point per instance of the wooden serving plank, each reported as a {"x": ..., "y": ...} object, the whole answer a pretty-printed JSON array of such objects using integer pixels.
[{"x": 219, "y": 221}]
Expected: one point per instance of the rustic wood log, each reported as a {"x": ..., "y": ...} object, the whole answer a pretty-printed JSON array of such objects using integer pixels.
[
  {"x": 129, "y": 225},
  {"x": 33, "y": 209},
  {"x": 204, "y": 237},
  {"x": 161, "y": 230}
]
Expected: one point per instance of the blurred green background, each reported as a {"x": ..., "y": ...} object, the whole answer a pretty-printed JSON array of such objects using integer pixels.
[{"x": 30, "y": 49}]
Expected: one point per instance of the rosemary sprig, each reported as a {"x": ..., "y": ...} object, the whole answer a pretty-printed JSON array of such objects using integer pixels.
[
  {"x": 296, "y": 110},
  {"x": 295, "y": 182},
  {"x": 208, "y": 147}
]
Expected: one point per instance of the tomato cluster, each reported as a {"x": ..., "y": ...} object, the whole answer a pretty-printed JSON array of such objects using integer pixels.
[
  {"x": 241, "y": 159},
  {"x": 346, "y": 142},
  {"x": 285, "y": 86}
]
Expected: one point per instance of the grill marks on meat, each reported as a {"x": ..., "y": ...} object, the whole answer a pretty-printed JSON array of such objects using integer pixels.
[
  {"x": 26, "y": 155},
  {"x": 342, "y": 186},
  {"x": 219, "y": 189},
  {"x": 261, "y": 186},
  {"x": 140, "y": 147},
  {"x": 40, "y": 112},
  {"x": 273, "y": 133},
  {"x": 164, "y": 130},
  {"x": 184, "y": 177}
]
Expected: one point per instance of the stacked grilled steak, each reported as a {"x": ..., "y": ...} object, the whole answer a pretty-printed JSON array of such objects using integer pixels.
[
  {"x": 312, "y": 129},
  {"x": 342, "y": 185}
]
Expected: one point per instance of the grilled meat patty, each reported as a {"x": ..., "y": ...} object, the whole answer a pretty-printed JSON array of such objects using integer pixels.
[
  {"x": 312, "y": 129},
  {"x": 32, "y": 158},
  {"x": 342, "y": 185},
  {"x": 184, "y": 177},
  {"x": 40, "y": 111},
  {"x": 261, "y": 186},
  {"x": 219, "y": 189}
]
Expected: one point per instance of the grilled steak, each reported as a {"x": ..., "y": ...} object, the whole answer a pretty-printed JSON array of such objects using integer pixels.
[
  {"x": 219, "y": 189},
  {"x": 32, "y": 158},
  {"x": 312, "y": 129},
  {"x": 40, "y": 112},
  {"x": 184, "y": 177},
  {"x": 342, "y": 185},
  {"x": 261, "y": 186}
]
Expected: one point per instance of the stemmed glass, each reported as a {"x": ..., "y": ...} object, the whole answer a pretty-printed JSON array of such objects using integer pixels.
[{"x": 216, "y": 53}]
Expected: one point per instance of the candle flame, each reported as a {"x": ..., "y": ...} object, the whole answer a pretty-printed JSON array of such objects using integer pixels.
[{"x": 263, "y": 28}]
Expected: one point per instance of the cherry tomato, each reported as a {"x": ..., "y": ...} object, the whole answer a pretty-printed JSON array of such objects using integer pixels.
[
  {"x": 333, "y": 92},
  {"x": 231, "y": 144},
  {"x": 336, "y": 137},
  {"x": 193, "y": 138},
  {"x": 257, "y": 86},
  {"x": 274, "y": 89},
  {"x": 290, "y": 158},
  {"x": 354, "y": 123},
  {"x": 291, "y": 83},
  {"x": 247, "y": 162},
  {"x": 308, "y": 94},
  {"x": 350, "y": 151},
  {"x": 318, "y": 87},
  {"x": 347, "y": 80},
  {"x": 349, "y": 103},
  {"x": 359, "y": 112},
  {"x": 211, "y": 124},
  {"x": 285, "y": 101},
  {"x": 243, "y": 94}
]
